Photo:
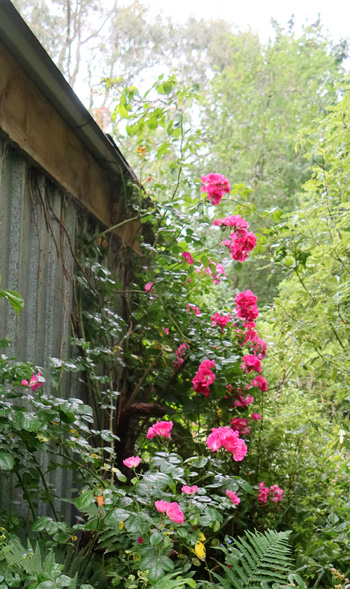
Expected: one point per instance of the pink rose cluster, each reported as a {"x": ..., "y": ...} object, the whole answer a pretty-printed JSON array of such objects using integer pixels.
[
  {"x": 161, "y": 428},
  {"x": 246, "y": 307},
  {"x": 236, "y": 221},
  {"x": 227, "y": 438},
  {"x": 180, "y": 354},
  {"x": 204, "y": 378},
  {"x": 274, "y": 493},
  {"x": 241, "y": 241},
  {"x": 215, "y": 185},
  {"x": 172, "y": 510},
  {"x": 220, "y": 320},
  {"x": 247, "y": 310}
]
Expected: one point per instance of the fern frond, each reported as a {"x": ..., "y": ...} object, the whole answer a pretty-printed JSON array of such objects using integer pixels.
[
  {"x": 256, "y": 560},
  {"x": 170, "y": 582}
]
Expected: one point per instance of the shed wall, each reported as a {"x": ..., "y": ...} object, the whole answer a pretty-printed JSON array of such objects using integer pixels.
[{"x": 40, "y": 226}]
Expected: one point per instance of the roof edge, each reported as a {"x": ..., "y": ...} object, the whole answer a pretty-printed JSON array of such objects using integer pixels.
[{"x": 39, "y": 67}]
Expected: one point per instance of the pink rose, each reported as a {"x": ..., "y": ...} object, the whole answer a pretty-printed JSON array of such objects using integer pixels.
[
  {"x": 246, "y": 305},
  {"x": 132, "y": 462},
  {"x": 250, "y": 363},
  {"x": 193, "y": 308},
  {"x": 215, "y": 185},
  {"x": 243, "y": 401},
  {"x": 171, "y": 509},
  {"x": 148, "y": 286},
  {"x": 34, "y": 382},
  {"x": 175, "y": 514},
  {"x": 255, "y": 416},
  {"x": 187, "y": 256},
  {"x": 161, "y": 506},
  {"x": 189, "y": 490},
  {"x": 229, "y": 439},
  {"x": 260, "y": 382},
  {"x": 204, "y": 378},
  {"x": 263, "y": 492},
  {"x": 220, "y": 320},
  {"x": 241, "y": 425},
  {"x": 233, "y": 497},
  {"x": 161, "y": 428}
]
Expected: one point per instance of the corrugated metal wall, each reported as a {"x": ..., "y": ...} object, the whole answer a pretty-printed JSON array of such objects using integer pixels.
[
  {"x": 36, "y": 261},
  {"x": 39, "y": 225}
]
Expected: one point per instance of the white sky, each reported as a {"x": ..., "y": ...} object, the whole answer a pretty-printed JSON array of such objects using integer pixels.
[{"x": 335, "y": 14}]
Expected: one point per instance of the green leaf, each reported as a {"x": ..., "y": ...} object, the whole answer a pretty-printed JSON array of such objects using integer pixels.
[
  {"x": 155, "y": 538},
  {"x": 6, "y": 461},
  {"x": 25, "y": 420},
  {"x": 13, "y": 298},
  {"x": 63, "y": 581},
  {"x": 85, "y": 499}
]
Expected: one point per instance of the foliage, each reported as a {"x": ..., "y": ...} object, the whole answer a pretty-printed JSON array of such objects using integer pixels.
[
  {"x": 256, "y": 560},
  {"x": 310, "y": 337},
  {"x": 148, "y": 341}
]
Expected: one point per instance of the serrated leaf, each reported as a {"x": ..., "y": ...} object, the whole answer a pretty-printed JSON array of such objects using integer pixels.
[{"x": 85, "y": 499}]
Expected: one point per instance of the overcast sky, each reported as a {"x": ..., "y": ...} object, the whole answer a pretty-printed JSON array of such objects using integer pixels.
[{"x": 335, "y": 14}]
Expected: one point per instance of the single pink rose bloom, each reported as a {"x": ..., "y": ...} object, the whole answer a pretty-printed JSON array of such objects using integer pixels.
[
  {"x": 175, "y": 514},
  {"x": 189, "y": 490},
  {"x": 132, "y": 462},
  {"x": 161, "y": 506},
  {"x": 161, "y": 428},
  {"x": 148, "y": 286},
  {"x": 187, "y": 256},
  {"x": 255, "y": 416},
  {"x": 233, "y": 497},
  {"x": 34, "y": 382}
]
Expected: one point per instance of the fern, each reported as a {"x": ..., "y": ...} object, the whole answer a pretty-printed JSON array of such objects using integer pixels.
[
  {"x": 33, "y": 564},
  {"x": 256, "y": 560},
  {"x": 169, "y": 582}
]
